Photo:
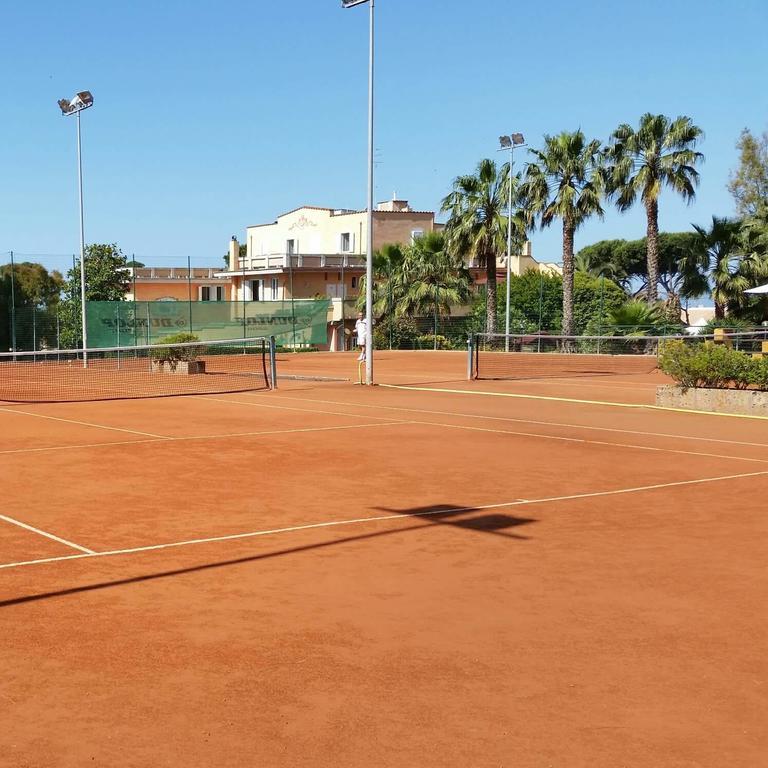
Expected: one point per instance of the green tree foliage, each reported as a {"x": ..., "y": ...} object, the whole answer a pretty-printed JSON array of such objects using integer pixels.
[
  {"x": 659, "y": 153},
  {"x": 749, "y": 182},
  {"x": 727, "y": 266},
  {"x": 34, "y": 285},
  {"x": 32, "y": 296},
  {"x": 626, "y": 263},
  {"x": 387, "y": 280},
  {"x": 565, "y": 182},
  {"x": 636, "y": 318},
  {"x": 106, "y": 279},
  {"x": 477, "y": 224},
  {"x": 421, "y": 279},
  {"x": 536, "y": 303},
  {"x": 433, "y": 279}
]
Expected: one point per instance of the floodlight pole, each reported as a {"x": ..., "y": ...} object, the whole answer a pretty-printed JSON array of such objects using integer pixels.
[
  {"x": 516, "y": 139},
  {"x": 509, "y": 245},
  {"x": 369, "y": 254},
  {"x": 81, "y": 101},
  {"x": 82, "y": 245}
]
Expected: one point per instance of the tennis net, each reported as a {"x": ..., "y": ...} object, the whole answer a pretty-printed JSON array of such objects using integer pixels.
[
  {"x": 156, "y": 370},
  {"x": 534, "y": 356}
]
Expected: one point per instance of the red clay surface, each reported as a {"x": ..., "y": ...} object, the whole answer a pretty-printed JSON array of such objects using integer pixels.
[{"x": 333, "y": 575}]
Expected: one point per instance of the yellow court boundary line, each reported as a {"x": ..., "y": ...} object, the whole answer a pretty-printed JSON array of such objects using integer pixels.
[{"x": 572, "y": 400}]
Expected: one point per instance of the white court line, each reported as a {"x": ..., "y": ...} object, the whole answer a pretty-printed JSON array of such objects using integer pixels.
[
  {"x": 208, "y": 437},
  {"x": 528, "y": 421},
  {"x": 84, "y": 423},
  {"x": 381, "y": 518},
  {"x": 584, "y": 441},
  {"x": 13, "y": 521}
]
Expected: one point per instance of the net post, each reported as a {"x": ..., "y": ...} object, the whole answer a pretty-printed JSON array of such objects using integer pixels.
[
  {"x": 272, "y": 362},
  {"x": 469, "y": 356}
]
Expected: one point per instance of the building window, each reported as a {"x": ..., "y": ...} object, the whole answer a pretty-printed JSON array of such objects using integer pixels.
[
  {"x": 211, "y": 293},
  {"x": 416, "y": 234},
  {"x": 274, "y": 289},
  {"x": 347, "y": 242},
  {"x": 354, "y": 282}
]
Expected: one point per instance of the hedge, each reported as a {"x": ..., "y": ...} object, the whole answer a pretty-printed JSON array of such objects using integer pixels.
[{"x": 714, "y": 366}]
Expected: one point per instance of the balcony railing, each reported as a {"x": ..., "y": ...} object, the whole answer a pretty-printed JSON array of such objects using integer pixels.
[
  {"x": 304, "y": 261},
  {"x": 174, "y": 273}
]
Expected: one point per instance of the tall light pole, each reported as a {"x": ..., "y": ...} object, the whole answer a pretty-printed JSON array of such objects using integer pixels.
[
  {"x": 510, "y": 142},
  {"x": 369, "y": 255},
  {"x": 81, "y": 101}
]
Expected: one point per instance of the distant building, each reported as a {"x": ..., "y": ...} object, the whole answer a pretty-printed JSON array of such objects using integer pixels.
[{"x": 178, "y": 284}]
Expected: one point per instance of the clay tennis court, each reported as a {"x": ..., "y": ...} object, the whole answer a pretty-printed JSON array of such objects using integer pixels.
[{"x": 436, "y": 572}]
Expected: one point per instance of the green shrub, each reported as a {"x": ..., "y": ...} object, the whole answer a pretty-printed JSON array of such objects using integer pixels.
[
  {"x": 759, "y": 374},
  {"x": 696, "y": 364},
  {"x": 430, "y": 341},
  {"x": 400, "y": 332},
  {"x": 172, "y": 354}
]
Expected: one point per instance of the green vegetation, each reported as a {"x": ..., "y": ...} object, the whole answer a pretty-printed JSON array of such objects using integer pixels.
[
  {"x": 173, "y": 354},
  {"x": 713, "y": 365},
  {"x": 749, "y": 182},
  {"x": 565, "y": 182},
  {"x": 659, "y": 153},
  {"x": 32, "y": 293},
  {"x": 477, "y": 224},
  {"x": 106, "y": 279}
]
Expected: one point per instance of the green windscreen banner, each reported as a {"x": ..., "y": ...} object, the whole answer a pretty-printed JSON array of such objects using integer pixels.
[{"x": 298, "y": 323}]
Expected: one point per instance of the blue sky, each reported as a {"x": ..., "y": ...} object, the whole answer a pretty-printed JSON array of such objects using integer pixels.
[{"x": 210, "y": 116}]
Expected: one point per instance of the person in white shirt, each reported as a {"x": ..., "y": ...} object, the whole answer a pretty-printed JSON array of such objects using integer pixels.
[{"x": 361, "y": 331}]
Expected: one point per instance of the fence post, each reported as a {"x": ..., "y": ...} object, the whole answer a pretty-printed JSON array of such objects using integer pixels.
[
  {"x": 541, "y": 308},
  {"x": 13, "y": 307},
  {"x": 435, "y": 334},
  {"x": 293, "y": 305},
  {"x": 242, "y": 290},
  {"x": 600, "y": 314},
  {"x": 189, "y": 293},
  {"x": 117, "y": 312}
]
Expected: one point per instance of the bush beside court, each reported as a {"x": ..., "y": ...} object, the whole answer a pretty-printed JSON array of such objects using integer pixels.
[{"x": 713, "y": 366}]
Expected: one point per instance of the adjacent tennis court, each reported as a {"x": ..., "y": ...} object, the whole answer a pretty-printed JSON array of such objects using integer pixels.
[{"x": 432, "y": 572}]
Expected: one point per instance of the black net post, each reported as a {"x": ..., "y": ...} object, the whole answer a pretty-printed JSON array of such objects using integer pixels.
[{"x": 272, "y": 362}]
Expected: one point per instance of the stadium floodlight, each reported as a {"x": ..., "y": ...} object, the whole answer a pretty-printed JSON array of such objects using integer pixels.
[
  {"x": 82, "y": 100},
  {"x": 369, "y": 254},
  {"x": 509, "y": 143}
]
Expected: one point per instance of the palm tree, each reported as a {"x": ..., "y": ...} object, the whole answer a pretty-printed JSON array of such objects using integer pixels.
[
  {"x": 477, "y": 225},
  {"x": 729, "y": 268},
  {"x": 566, "y": 182},
  {"x": 387, "y": 280},
  {"x": 636, "y": 318},
  {"x": 434, "y": 280},
  {"x": 659, "y": 153}
]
